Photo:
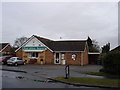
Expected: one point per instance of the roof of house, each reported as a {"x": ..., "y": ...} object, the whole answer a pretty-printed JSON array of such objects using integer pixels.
[
  {"x": 68, "y": 45},
  {"x": 116, "y": 49},
  {"x": 3, "y": 45},
  {"x": 71, "y": 45}
]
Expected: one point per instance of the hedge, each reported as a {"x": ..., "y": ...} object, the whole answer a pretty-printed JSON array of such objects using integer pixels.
[{"x": 111, "y": 62}]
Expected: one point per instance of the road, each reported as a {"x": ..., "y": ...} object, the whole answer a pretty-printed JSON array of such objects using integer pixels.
[
  {"x": 36, "y": 76},
  {"x": 11, "y": 80}
]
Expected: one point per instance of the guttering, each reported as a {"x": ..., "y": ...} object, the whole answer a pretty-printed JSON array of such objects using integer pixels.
[
  {"x": 68, "y": 51},
  {"x": 93, "y": 53}
]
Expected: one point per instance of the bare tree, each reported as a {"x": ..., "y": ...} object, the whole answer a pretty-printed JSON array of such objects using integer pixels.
[
  {"x": 96, "y": 47},
  {"x": 19, "y": 41}
]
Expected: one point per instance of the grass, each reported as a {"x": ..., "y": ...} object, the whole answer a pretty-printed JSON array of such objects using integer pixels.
[
  {"x": 91, "y": 81},
  {"x": 103, "y": 74}
]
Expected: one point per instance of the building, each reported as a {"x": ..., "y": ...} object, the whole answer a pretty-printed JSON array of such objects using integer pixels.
[
  {"x": 93, "y": 57},
  {"x": 5, "y": 49},
  {"x": 38, "y": 50},
  {"x": 117, "y": 49}
]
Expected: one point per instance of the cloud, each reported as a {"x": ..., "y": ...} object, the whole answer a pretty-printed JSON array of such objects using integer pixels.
[{"x": 61, "y": 19}]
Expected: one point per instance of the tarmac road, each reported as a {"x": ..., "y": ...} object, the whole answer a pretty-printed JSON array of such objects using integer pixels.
[
  {"x": 24, "y": 80},
  {"x": 36, "y": 76}
]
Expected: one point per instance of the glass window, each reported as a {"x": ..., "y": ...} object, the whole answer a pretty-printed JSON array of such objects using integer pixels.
[
  {"x": 8, "y": 57},
  {"x": 18, "y": 58},
  {"x": 33, "y": 54},
  {"x": 12, "y": 59}
]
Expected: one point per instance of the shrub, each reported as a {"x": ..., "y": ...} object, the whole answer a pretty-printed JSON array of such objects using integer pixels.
[{"x": 111, "y": 62}]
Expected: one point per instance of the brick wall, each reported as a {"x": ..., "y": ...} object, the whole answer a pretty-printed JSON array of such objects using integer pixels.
[
  {"x": 85, "y": 56},
  {"x": 7, "y": 50},
  {"x": 19, "y": 53},
  {"x": 49, "y": 57},
  {"x": 68, "y": 58},
  {"x": 41, "y": 55}
]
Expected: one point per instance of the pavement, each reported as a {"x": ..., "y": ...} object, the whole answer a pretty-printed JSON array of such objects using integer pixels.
[{"x": 36, "y": 76}]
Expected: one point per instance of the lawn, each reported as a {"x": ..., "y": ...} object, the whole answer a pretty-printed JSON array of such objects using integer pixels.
[
  {"x": 103, "y": 74},
  {"x": 90, "y": 81}
]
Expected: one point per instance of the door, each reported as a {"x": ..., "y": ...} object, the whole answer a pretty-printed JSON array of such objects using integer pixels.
[{"x": 57, "y": 58}]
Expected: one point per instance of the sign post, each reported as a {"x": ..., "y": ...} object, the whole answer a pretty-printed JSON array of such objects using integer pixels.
[{"x": 67, "y": 73}]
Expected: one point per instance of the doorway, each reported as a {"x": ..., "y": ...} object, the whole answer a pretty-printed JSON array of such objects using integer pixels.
[{"x": 57, "y": 58}]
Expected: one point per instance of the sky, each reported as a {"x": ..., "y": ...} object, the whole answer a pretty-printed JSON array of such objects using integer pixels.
[{"x": 69, "y": 20}]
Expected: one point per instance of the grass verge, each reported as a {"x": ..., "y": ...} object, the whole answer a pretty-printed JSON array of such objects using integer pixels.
[
  {"x": 103, "y": 74},
  {"x": 90, "y": 81}
]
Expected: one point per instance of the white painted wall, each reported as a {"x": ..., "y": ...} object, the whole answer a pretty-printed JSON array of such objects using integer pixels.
[{"x": 34, "y": 42}]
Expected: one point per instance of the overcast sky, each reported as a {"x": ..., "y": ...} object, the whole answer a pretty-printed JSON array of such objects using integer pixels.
[{"x": 69, "y": 20}]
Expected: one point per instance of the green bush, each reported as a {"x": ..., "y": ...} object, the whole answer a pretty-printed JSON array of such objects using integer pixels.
[{"x": 111, "y": 62}]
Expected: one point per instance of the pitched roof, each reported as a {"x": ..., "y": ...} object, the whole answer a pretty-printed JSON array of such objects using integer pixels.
[
  {"x": 3, "y": 45},
  {"x": 116, "y": 49},
  {"x": 71, "y": 45}
]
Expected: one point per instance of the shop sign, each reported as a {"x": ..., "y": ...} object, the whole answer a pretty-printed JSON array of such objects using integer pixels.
[
  {"x": 73, "y": 56},
  {"x": 34, "y": 48}
]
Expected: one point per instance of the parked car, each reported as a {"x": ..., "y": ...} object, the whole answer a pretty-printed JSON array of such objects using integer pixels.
[
  {"x": 15, "y": 61},
  {"x": 3, "y": 59}
]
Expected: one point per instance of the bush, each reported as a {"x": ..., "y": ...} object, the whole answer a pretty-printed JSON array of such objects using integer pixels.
[{"x": 111, "y": 62}]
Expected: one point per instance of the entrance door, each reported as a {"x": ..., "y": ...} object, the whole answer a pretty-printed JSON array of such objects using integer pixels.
[{"x": 57, "y": 58}]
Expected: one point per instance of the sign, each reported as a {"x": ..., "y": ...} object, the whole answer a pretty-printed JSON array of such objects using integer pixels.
[
  {"x": 34, "y": 48},
  {"x": 73, "y": 56}
]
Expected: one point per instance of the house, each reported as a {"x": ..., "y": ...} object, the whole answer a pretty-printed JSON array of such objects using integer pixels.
[
  {"x": 5, "y": 49},
  {"x": 117, "y": 49},
  {"x": 38, "y": 50}
]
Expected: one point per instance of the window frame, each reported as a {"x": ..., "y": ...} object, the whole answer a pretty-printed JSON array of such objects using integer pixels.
[{"x": 33, "y": 55}]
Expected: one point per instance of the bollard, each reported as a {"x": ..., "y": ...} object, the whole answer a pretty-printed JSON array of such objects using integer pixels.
[{"x": 67, "y": 73}]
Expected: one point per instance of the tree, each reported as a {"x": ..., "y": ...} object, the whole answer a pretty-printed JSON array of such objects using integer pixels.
[
  {"x": 93, "y": 45},
  {"x": 89, "y": 41},
  {"x": 106, "y": 48},
  {"x": 19, "y": 41}
]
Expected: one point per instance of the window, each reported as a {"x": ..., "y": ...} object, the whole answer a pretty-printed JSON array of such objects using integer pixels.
[
  {"x": 12, "y": 59},
  {"x": 33, "y": 54},
  {"x": 19, "y": 59}
]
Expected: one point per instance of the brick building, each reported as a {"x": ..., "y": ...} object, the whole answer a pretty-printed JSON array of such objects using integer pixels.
[
  {"x": 38, "y": 50},
  {"x": 117, "y": 49},
  {"x": 5, "y": 49}
]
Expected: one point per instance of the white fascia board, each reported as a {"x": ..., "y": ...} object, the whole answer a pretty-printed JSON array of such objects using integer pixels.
[
  {"x": 68, "y": 51},
  {"x": 5, "y": 47},
  {"x": 29, "y": 40},
  {"x": 44, "y": 44},
  {"x": 33, "y": 50},
  {"x": 25, "y": 43},
  {"x": 93, "y": 53}
]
